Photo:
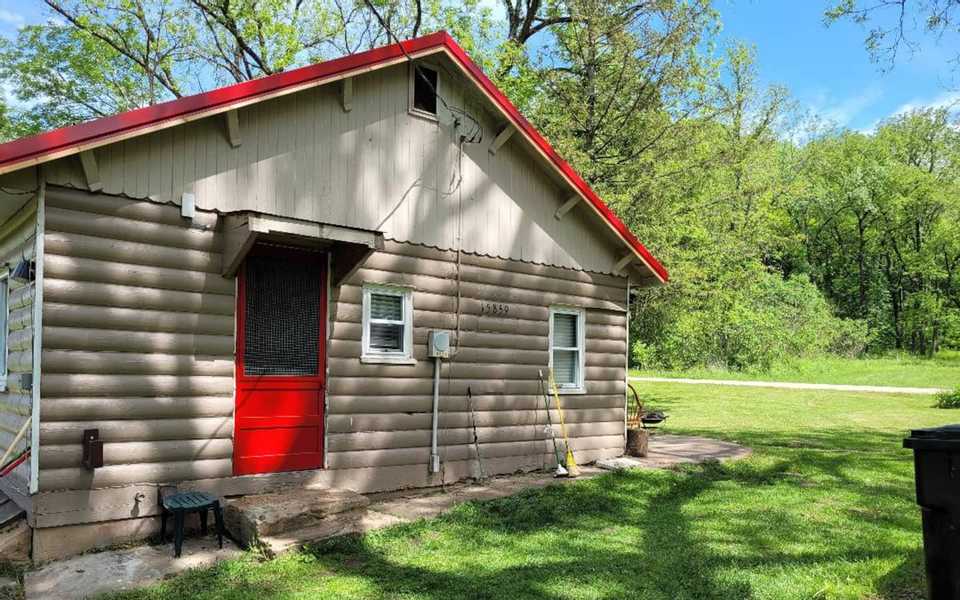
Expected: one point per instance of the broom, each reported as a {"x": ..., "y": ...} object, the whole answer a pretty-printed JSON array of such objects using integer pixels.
[
  {"x": 572, "y": 467},
  {"x": 561, "y": 471}
]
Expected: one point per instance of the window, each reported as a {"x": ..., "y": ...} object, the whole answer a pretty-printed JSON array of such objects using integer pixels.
[
  {"x": 424, "y": 88},
  {"x": 4, "y": 320},
  {"x": 566, "y": 348},
  {"x": 387, "y": 324}
]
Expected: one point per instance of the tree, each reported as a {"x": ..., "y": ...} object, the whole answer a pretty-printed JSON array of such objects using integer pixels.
[
  {"x": 526, "y": 18},
  {"x": 894, "y": 22},
  {"x": 100, "y": 57},
  {"x": 875, "y": 219},
  {"x": 65, "y": 75},
  {"x": 148, "y": 34},
  {"x": 616, "y": 80}
]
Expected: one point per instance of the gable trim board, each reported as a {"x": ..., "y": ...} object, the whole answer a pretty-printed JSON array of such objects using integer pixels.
[{"x": 84, "y": 137}]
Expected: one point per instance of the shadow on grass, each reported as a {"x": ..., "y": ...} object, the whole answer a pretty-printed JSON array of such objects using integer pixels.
[
  {"x": 702, "y": 532},
  {"x": 623, "y": 535},
  {"x": 906, "y": 581},
  {"x": 663, "y": 562},
  {"x": 654, "y": 535}
]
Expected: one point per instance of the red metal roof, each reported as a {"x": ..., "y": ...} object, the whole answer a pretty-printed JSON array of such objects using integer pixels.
[{"x": 71, "y": 140}]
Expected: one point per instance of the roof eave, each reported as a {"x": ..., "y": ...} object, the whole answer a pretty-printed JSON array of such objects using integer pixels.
[{"x": 71, "y": 140}]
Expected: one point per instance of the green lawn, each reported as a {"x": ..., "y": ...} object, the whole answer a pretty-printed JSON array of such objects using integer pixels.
[
  {"x": 823, "y": 509},
  {"x": 942, "y": 371}
]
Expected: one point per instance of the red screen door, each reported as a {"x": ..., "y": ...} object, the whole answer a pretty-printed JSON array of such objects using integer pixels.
[{"x": 281, "y": 320}]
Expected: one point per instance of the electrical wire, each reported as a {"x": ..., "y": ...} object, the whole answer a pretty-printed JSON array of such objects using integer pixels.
[{"x": 476, "y": 135}]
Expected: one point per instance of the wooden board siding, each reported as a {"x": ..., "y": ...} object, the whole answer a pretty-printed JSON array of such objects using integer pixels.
[
  {"x": 137, "y": 342},
  {"x": 498, "y": 361},
  {"x": 17, "y": 236},
  {"x": 376, "y": 167}
]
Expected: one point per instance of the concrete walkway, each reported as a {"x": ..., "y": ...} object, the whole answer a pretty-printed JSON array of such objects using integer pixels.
[
  {"x": 830, "y": 387},
  {"x": 91, "y": 574}
]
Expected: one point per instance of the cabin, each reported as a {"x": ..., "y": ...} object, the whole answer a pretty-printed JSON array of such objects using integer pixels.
[{"x": 273, "y": 284}]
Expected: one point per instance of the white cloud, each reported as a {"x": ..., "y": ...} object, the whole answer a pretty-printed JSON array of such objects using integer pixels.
[
  {"x": 949, "y": 100},
  {"x": 11, "y": 18},
  {"x": 844, "y": 111}
]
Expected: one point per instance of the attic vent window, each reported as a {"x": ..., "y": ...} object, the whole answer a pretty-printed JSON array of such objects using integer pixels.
[{"x": 425, "y": 81}]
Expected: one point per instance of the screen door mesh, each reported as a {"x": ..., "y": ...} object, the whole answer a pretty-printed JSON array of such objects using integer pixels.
[{"x": 282, "y": 319}]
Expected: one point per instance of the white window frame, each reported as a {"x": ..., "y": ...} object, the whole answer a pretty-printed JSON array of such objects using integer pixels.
[
  {"x": 372, "y": 355},
  {"x": 581, "y": 349},
  {"x": 5, "y": 329},
  {"x": 413, "y": 77}
]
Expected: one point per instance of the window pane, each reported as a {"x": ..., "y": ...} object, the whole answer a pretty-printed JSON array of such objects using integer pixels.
[
  {"x": 425, "y": 90},
  {"x": 386, "y": 306},
  {"x": 566, "y": 367},
  {"x": 564, "y": 331},
  {"x": 3, "y": 327},
  {"x": 386, "y": 337},
  {"x": 282, "y": 317}
]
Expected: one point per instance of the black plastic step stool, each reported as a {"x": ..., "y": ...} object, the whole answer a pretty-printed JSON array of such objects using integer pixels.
[{"x": 183, "y": 503}]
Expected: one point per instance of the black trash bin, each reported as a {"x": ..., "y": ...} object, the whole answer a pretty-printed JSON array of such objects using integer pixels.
[{"x": 936, "y": 460}]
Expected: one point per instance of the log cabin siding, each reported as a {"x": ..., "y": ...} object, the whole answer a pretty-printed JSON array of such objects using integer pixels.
[
  {"x": 137, "y": 341},
  {"x": 377, "y": 167},
  {"x": 17, "y": 241},
  {"x": 498, "y": 360}
]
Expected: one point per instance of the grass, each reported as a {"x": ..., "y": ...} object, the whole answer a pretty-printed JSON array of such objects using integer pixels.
[
  {"x": 941, "y": 371},
  {"x": 823, "y": 509}
]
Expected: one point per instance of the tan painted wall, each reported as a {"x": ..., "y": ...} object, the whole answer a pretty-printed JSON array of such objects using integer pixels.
[{"x": 375, "y": 167}]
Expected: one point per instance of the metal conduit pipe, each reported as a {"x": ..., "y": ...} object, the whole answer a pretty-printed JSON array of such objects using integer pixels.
[{"x": 434, "y": 454}]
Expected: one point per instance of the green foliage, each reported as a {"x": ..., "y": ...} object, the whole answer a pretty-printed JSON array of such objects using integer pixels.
[
  {"x": 642, "y": 355},
  {"x": 948, "y": 399},
  {"x": 66, "y": 76},
  {"x": 879, "y": 231},
  {"x": 765, "y": 320}
]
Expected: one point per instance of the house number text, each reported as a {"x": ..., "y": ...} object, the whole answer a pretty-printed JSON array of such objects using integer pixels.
[{"x": 493, "y": 308}]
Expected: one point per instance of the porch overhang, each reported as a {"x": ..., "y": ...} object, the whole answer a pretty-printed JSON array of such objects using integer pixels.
[{"x": 348, "y": 246}]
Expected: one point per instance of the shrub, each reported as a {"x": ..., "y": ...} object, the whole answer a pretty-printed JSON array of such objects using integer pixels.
[
  {"x": 642, "y": 355},
  {"x": 753, "y": 323},
  {"x": 948, "y": 399},
  {"x": 850, "y": 338}
]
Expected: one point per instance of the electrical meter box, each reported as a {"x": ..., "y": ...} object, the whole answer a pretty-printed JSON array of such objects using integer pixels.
[{"x": 438, "y": 344}]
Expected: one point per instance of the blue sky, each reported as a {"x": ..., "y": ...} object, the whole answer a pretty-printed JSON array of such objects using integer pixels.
[{"x": 827, "y": 70}]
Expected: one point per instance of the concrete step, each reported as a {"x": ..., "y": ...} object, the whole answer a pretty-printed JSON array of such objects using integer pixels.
[
  {"x": 354, "y": 521},
  {"x": 260, "y": 520}
]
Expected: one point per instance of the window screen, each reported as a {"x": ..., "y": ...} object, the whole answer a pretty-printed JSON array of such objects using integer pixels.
[
  {"x": 386, "y": 322},
  {"x": 282, "y": 318},
  {"x": 425, "y": 90},
  {"x": 566, "y": 349}
]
